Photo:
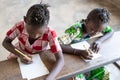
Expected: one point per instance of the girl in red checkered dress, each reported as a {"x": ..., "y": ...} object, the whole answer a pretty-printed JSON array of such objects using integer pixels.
[{"x": 33, "y": 36}]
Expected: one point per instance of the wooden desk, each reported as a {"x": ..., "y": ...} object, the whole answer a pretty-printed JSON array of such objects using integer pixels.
[{"x": 9, "y": 69}]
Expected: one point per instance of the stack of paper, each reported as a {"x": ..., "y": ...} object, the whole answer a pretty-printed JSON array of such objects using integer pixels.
[
  {"x": 33, "y": 70},
  {"x": 80, "y": 46}
]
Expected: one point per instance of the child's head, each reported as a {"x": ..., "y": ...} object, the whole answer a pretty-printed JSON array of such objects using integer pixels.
[
  {"x": 97, "y": 20},
  {"x": 37, "y": 16}
]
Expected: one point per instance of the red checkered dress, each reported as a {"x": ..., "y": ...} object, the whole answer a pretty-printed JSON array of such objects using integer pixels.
[{"x": 48, "y": 38}]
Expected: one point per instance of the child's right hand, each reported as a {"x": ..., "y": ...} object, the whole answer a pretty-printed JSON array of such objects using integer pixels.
[
  {"x": 85, "y": 54},
  {"x": 25, "y": 60}
]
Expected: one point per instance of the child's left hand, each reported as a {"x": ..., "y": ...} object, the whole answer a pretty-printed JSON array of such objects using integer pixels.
[{"x": 96, "y": 46}]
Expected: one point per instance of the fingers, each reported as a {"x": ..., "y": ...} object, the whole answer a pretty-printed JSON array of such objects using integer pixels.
[
  {"x": 29, "y": 56},
  {"x": 88, "y": 57},
  {"x": 95, "y": 47},
  {"x": 97, "y": 50},
  {"x": 92, "y": 46},
  {"x": 26, "y": 61}
]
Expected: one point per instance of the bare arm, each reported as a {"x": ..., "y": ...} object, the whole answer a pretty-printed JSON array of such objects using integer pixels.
[
  {"x": 7, "y": 43},
  {"x": 106, "y": 36},
  {"x": 69, "y": 50},
  {"x": 57, "y": 67},
  {"x": 96, "y": 45}
]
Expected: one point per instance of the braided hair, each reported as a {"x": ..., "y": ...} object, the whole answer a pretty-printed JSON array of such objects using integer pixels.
[
  {"x": 37, "y": 14},
  {"x": 100, "y": 15}
]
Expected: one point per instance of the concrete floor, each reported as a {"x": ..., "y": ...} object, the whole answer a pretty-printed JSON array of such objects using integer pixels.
[{"x": 62, "y": 12}]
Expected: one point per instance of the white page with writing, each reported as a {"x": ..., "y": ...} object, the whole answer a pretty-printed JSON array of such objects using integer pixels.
[
  {"x": 80, "y": 46},
  {"x": 33, "y": 70}
]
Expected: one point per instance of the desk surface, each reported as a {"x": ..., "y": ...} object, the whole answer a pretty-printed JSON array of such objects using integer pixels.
[{"x": 9, "y": 69}]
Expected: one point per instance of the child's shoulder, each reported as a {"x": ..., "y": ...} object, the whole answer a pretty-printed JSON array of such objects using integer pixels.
[
  {"x": 51, "y": 31},
  {"x": 107, "y": 29},
  {"x": 19, "y": 25}
]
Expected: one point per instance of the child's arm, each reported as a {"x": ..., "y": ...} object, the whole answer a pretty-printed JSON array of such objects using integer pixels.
[
  {"x": 7, "y": 43},
  {"x": 69, "y": 50},
  {"x": 96, "y": 44},
  {"x": 10, "y": 36},
  {"x": 56, "y": 49},
  {"x": 106, "y": 36},
  {"x": 57, "y": 67}
]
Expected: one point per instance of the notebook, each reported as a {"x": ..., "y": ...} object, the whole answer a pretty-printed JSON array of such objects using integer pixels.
[
  {"x": 33, "y": 70},
  {"x": 80, "y": 46}
]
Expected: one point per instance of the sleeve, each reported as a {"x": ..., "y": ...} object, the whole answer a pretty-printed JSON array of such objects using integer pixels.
[
  {"x": 73, "y": 28},
  {"x": 107, "y": 29},
  {"x": 14, "y": 31},
  {"x": 53, "y": 42}
]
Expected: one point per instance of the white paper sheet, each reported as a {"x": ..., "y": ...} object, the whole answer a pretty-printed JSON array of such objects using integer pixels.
[
  {"x": 33, "y": 70},
  {"x": 80, "y": 46}
]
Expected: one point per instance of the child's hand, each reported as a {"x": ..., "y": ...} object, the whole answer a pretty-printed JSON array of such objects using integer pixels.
[
  {"x": 95, "y": 47},
  {"x": 85, "y": 54},
  {"x": 25, "y": 60}
]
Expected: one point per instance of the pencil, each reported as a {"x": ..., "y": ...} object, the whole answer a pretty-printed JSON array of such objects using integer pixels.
[
  {"x": 87, "y": 49},
  {"x": 22, "y": 54}
]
